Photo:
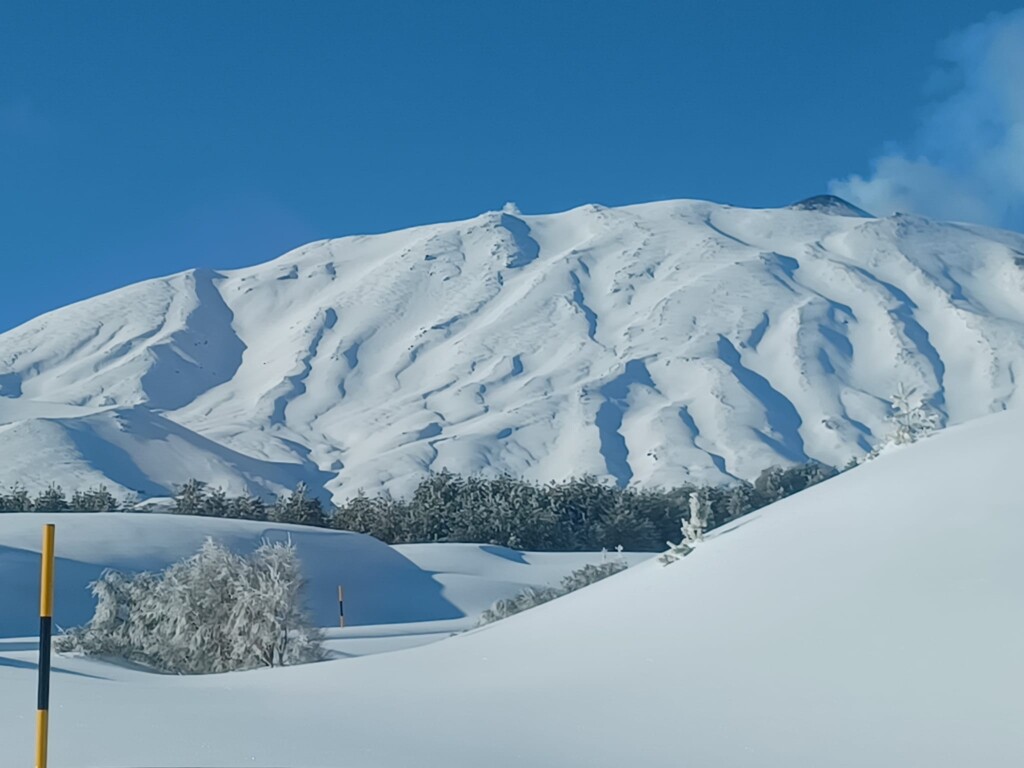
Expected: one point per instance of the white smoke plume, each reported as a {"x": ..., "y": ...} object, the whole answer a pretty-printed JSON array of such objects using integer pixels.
[{"x": 966, "y": 161}]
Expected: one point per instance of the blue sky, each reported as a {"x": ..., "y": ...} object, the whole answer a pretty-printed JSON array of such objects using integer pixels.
[{"x": 139, "y": 139}]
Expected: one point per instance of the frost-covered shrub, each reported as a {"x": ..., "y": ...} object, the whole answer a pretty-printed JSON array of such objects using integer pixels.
[
  {"x": 589, "y": 574},
  {"x": 534, "y": 596},
  {"x": 528, "y": 598},
  {"x": 213, "y": 612}
]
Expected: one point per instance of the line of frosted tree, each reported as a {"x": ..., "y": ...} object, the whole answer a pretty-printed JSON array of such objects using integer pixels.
[
  {"x": 581, "y": 514},
  {"x": 53, "y": 499}
]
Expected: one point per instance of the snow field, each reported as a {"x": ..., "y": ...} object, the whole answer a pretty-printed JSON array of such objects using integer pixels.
[{"x": 870, "y": 620}]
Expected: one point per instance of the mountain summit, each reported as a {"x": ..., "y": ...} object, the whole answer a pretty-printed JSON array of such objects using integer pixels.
[
  {"x": 831, "y": 204},
  {"x": 645, "y": 344}
]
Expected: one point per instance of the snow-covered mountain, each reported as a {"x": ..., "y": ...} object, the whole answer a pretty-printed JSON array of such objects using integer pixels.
[{"x": 646, "y": 343}]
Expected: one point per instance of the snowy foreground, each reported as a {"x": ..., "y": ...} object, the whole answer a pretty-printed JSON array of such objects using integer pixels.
[
  {"x": 646, "y": 343},
  {"x": 874, "y": 620}
]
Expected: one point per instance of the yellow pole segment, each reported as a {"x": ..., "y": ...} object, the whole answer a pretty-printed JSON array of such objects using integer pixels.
[
  {"x": 42, "y": 733},
  {"x": 46, "y": 576},
  {"x": 45, "y": 635}
]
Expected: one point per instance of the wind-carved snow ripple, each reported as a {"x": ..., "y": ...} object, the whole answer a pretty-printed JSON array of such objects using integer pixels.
[
  {"x": 351, "y": 355},
  {"x": 758, "y": 332},
  {"x": 214, "y": 354},
  {"x": 581, "y": 304},
  {"x": 914, "y": 331},
  {"x": 695, "y": 438},
  {"x": 296, "y": 384},
  {"x": 782, "y": 416},
  {"x": 610, "y": 415},
  {"x": 527, "y": 249}
]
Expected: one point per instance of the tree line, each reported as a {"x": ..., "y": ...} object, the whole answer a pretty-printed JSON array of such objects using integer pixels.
[
  {"x": 580, "y": 514},
  {"x": 53, "y": 499}
]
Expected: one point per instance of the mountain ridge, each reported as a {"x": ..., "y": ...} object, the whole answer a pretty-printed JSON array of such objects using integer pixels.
[{"x": 645, "y": 344}]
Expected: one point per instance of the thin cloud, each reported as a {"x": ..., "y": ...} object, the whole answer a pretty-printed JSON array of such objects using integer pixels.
[{"x": 966, "y": 161}]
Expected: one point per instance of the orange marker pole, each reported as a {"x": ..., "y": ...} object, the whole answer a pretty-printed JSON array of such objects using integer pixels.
[{"x": 45, "y": 637}]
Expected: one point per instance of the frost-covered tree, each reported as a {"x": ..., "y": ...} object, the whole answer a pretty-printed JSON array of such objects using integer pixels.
[
  {"x": 770, "y": 485},
  {"x": 246, "y": 508},
  {"x": 17, "y": 499},
  {"x": 213, "y": 612},
  {"x": 298, "y": 507},
  {"x": 380, "y": 516},
  {"x": 434, "y": 506},
  {"x": 740, "y": 499},
  {"x": 627, "y": 521},
  {"x": 691, "y": 529},
  {"x": 216, "y": 503},
  {"x": 912, "y": 418},
  {"x": 191, "y": 498},
  {"x": 98, "y": 499},
  {"x": 676, "y": 551},
  {"x": 51, "y": 500},
  {"x": 777, "y": 483},
  {"x": 697, "y": 521}
]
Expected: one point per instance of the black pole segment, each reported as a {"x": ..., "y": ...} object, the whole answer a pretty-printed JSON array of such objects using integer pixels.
[{"x": 45, "y": 635}]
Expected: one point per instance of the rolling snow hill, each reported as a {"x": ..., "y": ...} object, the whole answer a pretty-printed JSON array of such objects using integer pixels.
[
  {"x": 644, "y": 344},
  {"x": 403, "y": 585},
  {"x": 872, "y": 620}
]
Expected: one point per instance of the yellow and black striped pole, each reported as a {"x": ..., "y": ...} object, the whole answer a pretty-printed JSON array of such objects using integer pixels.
[{"x": 45, "y": 636}]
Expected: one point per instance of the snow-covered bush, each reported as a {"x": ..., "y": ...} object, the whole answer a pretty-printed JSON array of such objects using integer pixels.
[
  {"x": 213, "y": 612},
  {"x": 534, "y": 596},
  {"x": 528, "y": 598},
  {"x": 590, "y": 574}
]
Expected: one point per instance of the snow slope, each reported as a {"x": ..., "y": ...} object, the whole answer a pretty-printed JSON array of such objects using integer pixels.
[
  {"x": 873, "y": 620},
  {"x": 406, "y": 585},
  {"x": 642, "y": 344}
]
